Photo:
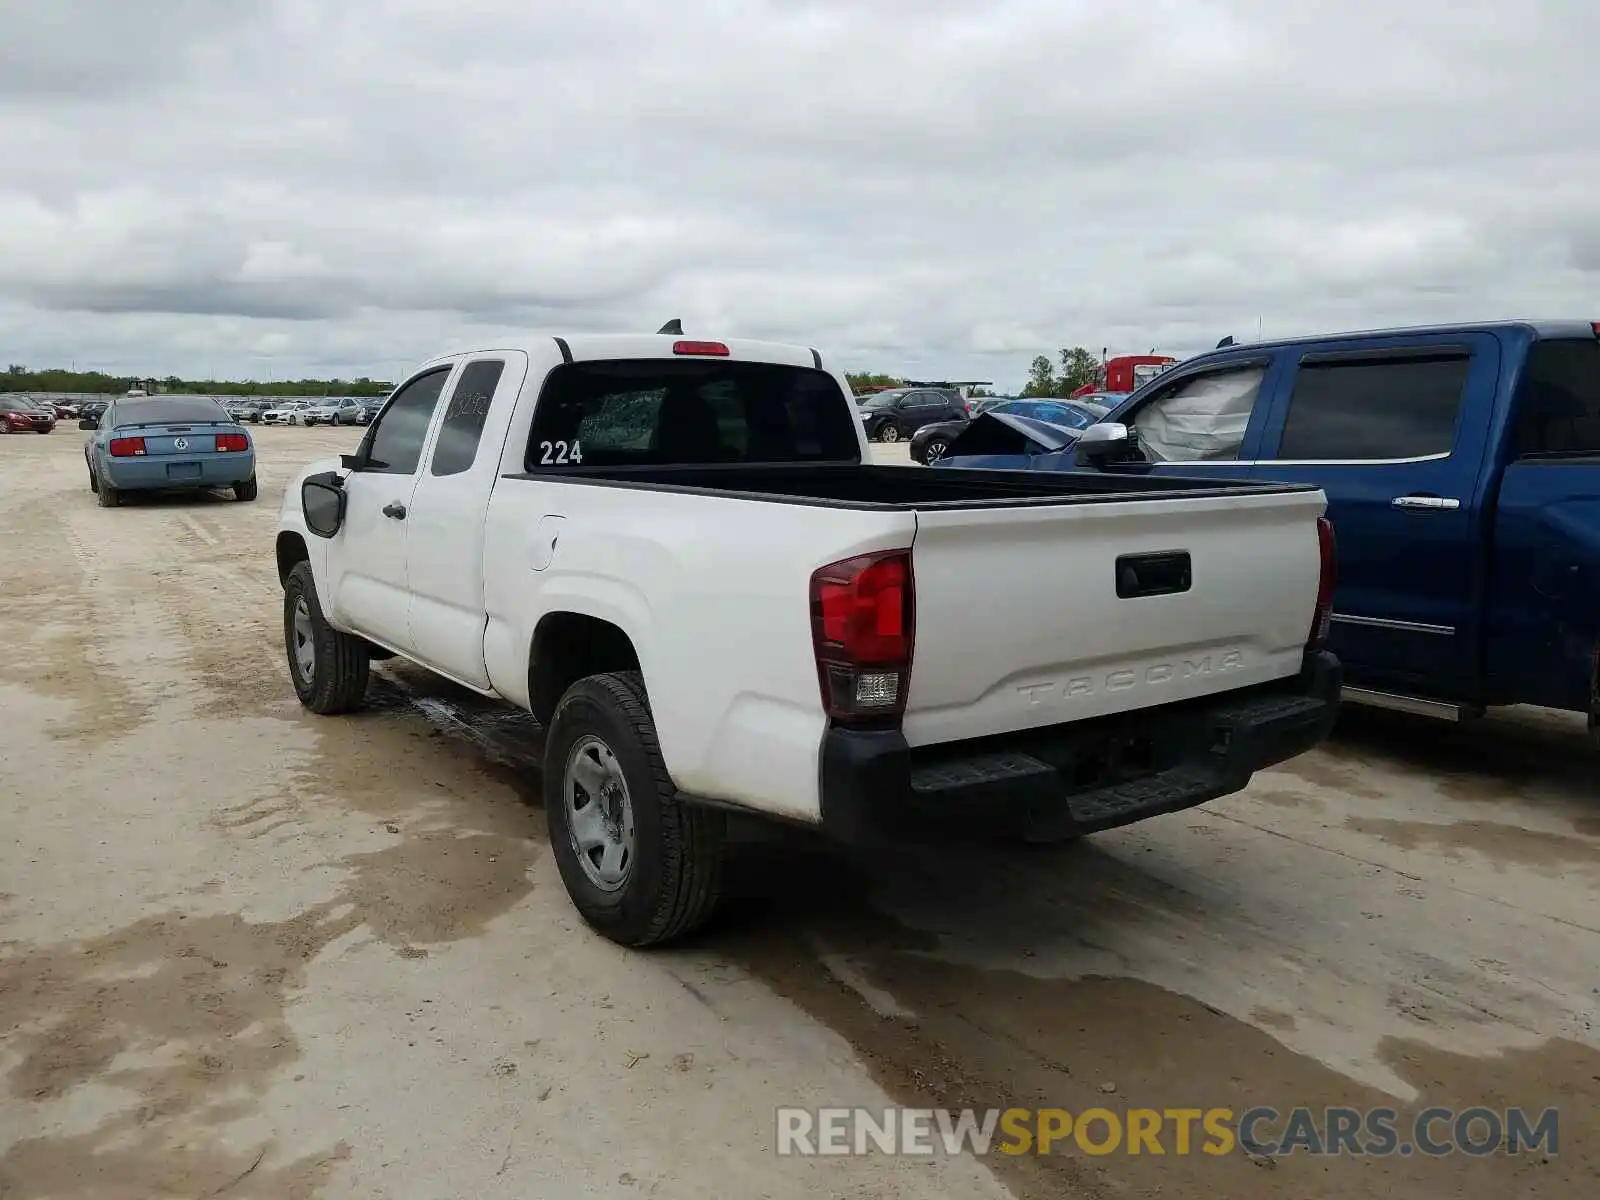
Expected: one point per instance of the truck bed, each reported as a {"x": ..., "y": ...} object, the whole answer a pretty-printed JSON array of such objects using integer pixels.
[{"x": 890, "y": 488}]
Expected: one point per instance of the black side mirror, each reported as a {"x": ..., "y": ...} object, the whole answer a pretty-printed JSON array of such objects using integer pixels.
[
  {"x": 89, "y": 423},
  {"x": 1106, "y": 442},
  {"x": 322, "y": 500}
]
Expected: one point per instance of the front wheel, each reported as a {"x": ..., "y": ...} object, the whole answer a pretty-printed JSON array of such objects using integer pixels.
[
  {"x": 936, "y": 449},
  {"x": 641, "y": 866},
  {"x": 329, "y": 668}
]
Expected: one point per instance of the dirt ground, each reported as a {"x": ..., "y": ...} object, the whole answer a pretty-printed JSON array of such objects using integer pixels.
[{"x": 245, "y": 951}]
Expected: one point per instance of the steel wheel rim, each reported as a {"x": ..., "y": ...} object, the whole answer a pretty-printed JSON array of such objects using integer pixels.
[
  {"x": 305, "y": 646},
  {"x": 599, "y": 813}
]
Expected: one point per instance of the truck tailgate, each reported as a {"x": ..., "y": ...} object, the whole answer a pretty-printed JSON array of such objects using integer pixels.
[{"x": 1019, "y": 621}]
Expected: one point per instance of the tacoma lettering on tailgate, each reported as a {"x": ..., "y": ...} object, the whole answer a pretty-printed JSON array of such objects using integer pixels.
[{"x": 1121, "y": 680}]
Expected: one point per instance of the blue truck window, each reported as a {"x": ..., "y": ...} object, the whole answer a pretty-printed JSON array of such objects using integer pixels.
[
  {"x": 1370, "y": 410},
  {"x": 1558, "y": 406},
  {"x": 1200, "y": 419}
]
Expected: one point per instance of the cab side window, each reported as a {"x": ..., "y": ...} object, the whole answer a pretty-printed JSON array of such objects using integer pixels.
[
  {"x": 1558, "y": 405},
  {"x": 462, "y": 429},
  {"x": 1200, "y": 418},
  {"x": 1369, "y": 408}
]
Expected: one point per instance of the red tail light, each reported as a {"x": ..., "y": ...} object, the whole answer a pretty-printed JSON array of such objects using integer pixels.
[
  {"x": 1326, "y": 581},
  {"x": 862, "y": 631},
  {"x": 126, "y": 447},
  {"x": 232, "y": 442},
  {"x": 713, "y": 348}
]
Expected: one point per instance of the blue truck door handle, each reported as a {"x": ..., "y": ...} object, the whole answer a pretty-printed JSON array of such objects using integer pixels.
[{"x": 1428, "y": 502}]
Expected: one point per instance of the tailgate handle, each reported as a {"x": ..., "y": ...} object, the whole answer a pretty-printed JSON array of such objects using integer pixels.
[{"x": 1161, "y": 574}]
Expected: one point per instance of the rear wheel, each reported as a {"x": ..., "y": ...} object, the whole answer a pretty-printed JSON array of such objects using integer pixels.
[
  {"x": 888, "y": 432},
  {"x": 329, "y": 668},
  {"x": 640, "y": 865},
  {"x": 109, "y": 496},
  {"x": 245, "y": 490}
]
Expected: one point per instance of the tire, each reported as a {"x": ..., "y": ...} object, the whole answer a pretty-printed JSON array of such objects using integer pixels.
[
  {"x": 108, "y": 496},
  {"x": 888, "y": 432},
  {"x": 934, "y": 450},
  {"x": 671, "y": 876},
  {"x": 245, "y": 490},
  {"x": 334, "y": 678},
  {"x": 94, "y": 484}
]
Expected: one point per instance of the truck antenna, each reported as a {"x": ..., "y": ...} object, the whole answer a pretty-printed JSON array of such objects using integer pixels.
[{"x": 673, "y": 327}]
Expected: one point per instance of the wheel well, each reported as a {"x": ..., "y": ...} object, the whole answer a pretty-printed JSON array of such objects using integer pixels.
[
  {"x": 291, "y": 550},
  {"x": 568, "y": 646}
]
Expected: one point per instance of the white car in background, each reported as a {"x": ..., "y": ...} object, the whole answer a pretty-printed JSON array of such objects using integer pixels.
[
  {"x": 344, "y": 411},
  {"x": 290, "y": 412}
]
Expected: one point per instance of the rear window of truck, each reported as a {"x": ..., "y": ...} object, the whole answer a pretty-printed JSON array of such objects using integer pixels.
[
  {"x": 654, "y": 412},
  {"x": 1558, "y": 405}
]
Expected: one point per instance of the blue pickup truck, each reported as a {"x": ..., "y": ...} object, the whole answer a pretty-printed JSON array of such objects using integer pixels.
[{"x": 1462, "y": 469}]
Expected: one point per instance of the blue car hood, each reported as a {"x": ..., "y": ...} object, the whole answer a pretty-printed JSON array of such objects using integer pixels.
[{"x": 1049, "y": 438}]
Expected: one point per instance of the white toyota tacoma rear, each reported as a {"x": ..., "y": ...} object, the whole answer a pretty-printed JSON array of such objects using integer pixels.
[{"x": 676, "y": 554}]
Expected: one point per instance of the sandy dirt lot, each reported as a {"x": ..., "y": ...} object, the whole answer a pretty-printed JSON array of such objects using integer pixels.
[{"x": 248, "y": 952}]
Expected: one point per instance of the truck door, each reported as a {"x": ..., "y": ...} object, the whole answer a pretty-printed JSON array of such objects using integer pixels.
[
  {"x": 1545, "y": 625},
  {"x": 445, "y": 525},
  {"x": 367, "y": 562},
  {"x": 1394, "y": 431}
]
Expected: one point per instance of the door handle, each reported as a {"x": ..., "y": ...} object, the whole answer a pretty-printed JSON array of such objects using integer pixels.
[
  {"x": 395, "y": 509},
  {"x": 1434, "y": 503}
]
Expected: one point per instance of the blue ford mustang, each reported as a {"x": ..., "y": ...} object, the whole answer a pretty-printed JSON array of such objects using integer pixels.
[{"x": 156, "y": 443}]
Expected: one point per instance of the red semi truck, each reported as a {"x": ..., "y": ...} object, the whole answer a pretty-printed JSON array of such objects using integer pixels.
[{"x": 1126, "y": 373}]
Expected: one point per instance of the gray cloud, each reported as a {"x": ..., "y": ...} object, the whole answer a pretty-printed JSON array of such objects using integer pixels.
[{"x": 286, "y": 185}]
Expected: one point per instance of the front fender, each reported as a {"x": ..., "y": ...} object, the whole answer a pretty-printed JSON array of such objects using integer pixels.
[{"x": 294, "y": 541}]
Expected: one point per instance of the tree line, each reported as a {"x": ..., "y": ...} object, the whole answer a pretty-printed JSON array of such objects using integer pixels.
[
  {"x": 18, "y": 378},
  {"x": 1078, "y": 366}
]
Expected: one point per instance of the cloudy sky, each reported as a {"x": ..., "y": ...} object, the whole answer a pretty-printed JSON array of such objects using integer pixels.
[{"x": 263, "y": 188}]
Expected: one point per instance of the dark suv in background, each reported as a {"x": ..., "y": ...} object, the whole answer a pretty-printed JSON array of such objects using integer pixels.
[{"x": 893, "y": 416}]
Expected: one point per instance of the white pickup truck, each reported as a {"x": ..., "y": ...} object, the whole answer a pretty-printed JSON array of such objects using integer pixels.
[{"x": 677, "y": 555}]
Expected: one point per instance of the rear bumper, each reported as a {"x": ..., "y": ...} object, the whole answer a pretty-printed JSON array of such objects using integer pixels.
[
  {"x": 1063, "y": 780},
  {"x": 150, "y": 474}
]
